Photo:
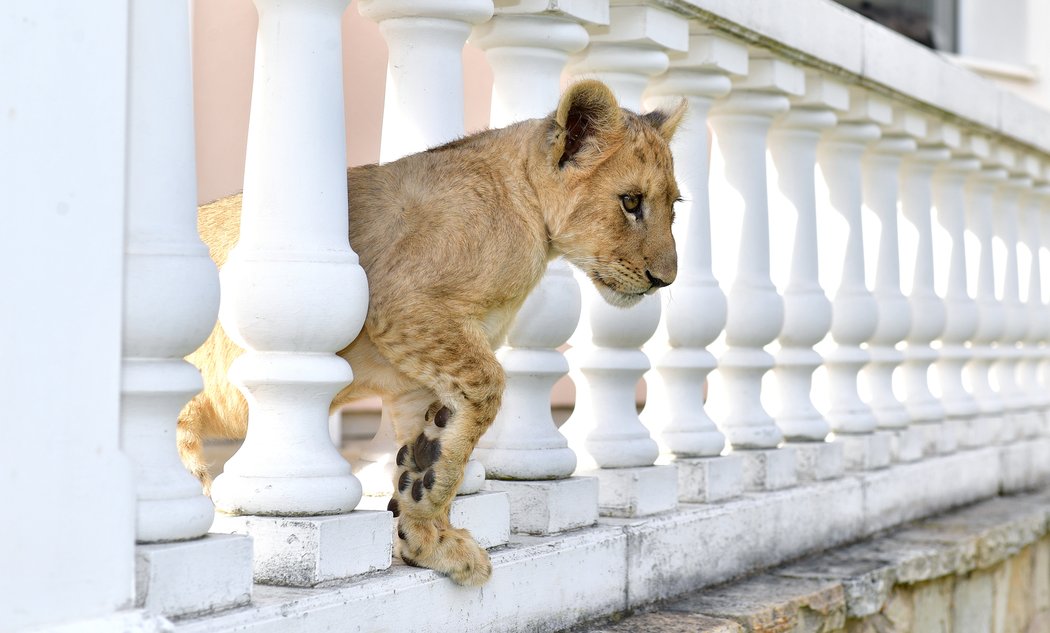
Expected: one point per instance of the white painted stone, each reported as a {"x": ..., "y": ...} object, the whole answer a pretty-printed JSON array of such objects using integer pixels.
[
  {"x": 818, "y": 461},
  {"x": 866, "y": 451},
  {"x": 855, "y": 312},
  {"x": 624, "y": 563},
  {"x": 277, "y": 306},
  {"x": 634, "y": 492},
  {"x": 794, "y": 268},
  {"x": 548, "y": 507},
  {"x": 485, "y": 514},
  {"x": 709, "y": 479},
  {"x": 308, "y": 551},
  {"x": 906, "y": 445},
  {"x": 194, "y": 577},
  {"x": 594, "y": 11},
  {"x": 543, "y": 583},
  {"x": 641, "y": 22},
  {"x": 738, "y": 184},
  {"x": 938, "y": 437},
  {"x": 694, "y": 312},
  {"x": 770, "y": 469},
  {"x": 1024, "y": 465},
  {"x": 928, "y": 312},
  {"x": 881, "y": 165}
]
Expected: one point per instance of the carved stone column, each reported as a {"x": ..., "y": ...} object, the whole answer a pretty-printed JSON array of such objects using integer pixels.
[
  {"x": 277, "y": 304},
  {"x": 741, "y": 123},
  {"x": 854, "y": 310},
  {"x": 991, "y": 317},
  {"x": 928, "y": 316},
  {"x": 1006, "y": 227},
  {"x": 807, "y": 311},
  {"x": 881, "y": 165},
  {"x": 1037, "y": 327},
  {"x": 961, "y": 310},
  {"x": 171, "y": 301},
  {"x": 695, "y": 310},
  {"x": 609, "y": 439},
  {"x": 528, "y": 51}
]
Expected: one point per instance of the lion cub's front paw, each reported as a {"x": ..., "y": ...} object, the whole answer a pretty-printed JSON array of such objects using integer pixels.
[{"x": 448, "y": 550}]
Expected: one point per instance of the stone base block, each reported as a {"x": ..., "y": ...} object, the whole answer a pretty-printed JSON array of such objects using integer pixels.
[
  {"x": 308, "y": 551},
  {"x": 957, "y": 431},
  {"x": 194, "y": 577},
  {"x": 939, "y": 438},
  {"x": 970, "y": 434},
  {"x": 770, "y": 469},
  {"x": 549, "y": 507},
  {"x": 1024, "y": 465},
  {"x": 709, "y": 479},
  {"x": 865, "y": 452},
  {"x": 906, "y": 445},
  {"x": 817, "y": 461},
  {"x": 1010, "y": 431},
  {"x": 635, "y": 492},
  {"x": 485, "y": 514},
  {"x": 1032, "y": 424}
]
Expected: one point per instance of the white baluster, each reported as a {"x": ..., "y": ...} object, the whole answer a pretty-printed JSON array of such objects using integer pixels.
[
  {"x": 741, "y": 124},
  {"x": 854, "y": 312},
  {"x": 1037, "y": 328},
  {"x": 1043, "y": 227},
  {"x": 881, "y": 165},
  {"x": 423, "y": 108},
  {"x": 170, "y": 305},
  {"x": 694, "y": 308},
  {"x": 527, "y": 53},
  {"x": 807, "y": 310},
  {"x": 991, "y": 316},
  {"x": 928, "y": 315},
  {"x": 1006, "y": 230},
  {"x": 277, "y": 303},
  {"x": 961, "y": 310},
  {"x": 609, "y": 439}
]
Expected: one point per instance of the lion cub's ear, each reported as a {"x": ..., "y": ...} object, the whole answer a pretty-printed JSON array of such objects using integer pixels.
[
  {"x": 587, "y": 122},
  {"x": 666, "y": 120}
]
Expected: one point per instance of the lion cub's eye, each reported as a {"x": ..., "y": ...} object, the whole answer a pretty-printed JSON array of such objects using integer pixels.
[{"x": 632, "y": 203}]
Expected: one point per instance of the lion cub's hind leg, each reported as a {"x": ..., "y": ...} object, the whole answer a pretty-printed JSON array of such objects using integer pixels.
[{"x": 468, "y": 381}]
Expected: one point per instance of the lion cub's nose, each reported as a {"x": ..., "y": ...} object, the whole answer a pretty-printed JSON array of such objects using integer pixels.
[{"x": 656, "y": 281}]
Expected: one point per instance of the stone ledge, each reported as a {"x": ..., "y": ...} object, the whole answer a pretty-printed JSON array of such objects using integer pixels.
[
  {"x": 820, "y": 592},
  {"x": 622, "y": 564}
]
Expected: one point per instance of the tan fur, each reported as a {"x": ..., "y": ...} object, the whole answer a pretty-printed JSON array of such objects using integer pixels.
[{"x": 452, "y": 241}]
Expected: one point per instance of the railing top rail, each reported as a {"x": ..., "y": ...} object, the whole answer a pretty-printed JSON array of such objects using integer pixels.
[{"x": 825, "y": 35}]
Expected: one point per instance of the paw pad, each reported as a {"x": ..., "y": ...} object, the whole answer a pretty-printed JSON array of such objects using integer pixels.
[
  {"x": 425, "y": 451},
  {"x": 394, "y": 507},
  {"x": 442, "y": 416},
  {"x": 404, "y": 481}
]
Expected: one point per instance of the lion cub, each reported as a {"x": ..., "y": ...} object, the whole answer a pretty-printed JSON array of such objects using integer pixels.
[{"x": 452, "y": 240}]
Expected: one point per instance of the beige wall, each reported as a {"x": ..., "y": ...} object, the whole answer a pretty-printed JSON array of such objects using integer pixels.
[{"x": 223, "y": 56}]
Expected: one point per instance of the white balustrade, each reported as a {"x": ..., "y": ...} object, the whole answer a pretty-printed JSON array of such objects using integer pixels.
[
  {"x": 854, "y": 311},
  {"x": 423, "y": 108},
  {"x": 807, "y": 311},
  {"x": 277, "y": 303},
  {"x": 928, "y": 315},
  {"x": 991, "y": 315},
  {"x": 694, "y": 309},
  {"x": 527, "y": 53},
  {"x": 949, "y": 200},
  {"x": 171, "y": 300},
  {"x": 881, "y": 166},
  {"x": 605, "y": 431},
  {"x": 1006, "y": 230},
  {"x": 741, "y": 123}
]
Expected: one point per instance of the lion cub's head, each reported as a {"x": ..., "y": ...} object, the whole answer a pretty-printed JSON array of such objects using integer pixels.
[{"x": 616, "y": 167}]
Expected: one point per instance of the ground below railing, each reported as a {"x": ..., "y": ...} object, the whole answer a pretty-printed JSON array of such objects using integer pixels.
[{"x": 552, "y": 583}]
